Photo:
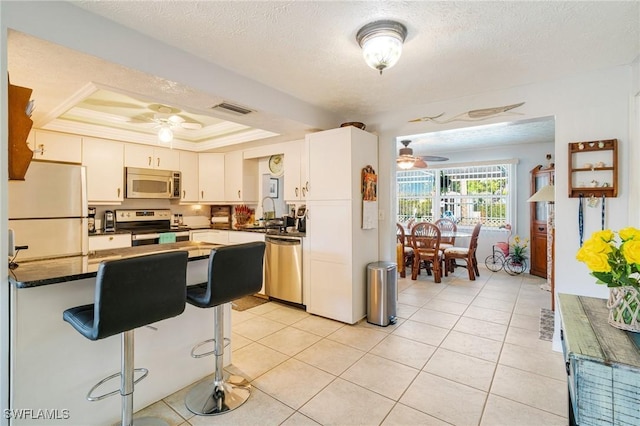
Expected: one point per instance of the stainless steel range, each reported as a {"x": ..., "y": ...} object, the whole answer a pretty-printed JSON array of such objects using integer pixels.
[{"x": 149, "y": 226}]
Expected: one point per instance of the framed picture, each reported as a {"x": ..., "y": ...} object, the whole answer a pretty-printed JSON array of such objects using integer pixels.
[{"x": 273, "y": 188}]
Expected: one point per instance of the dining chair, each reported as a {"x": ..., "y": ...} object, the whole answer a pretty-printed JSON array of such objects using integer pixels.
[
  {"x": 425, "y": 238},
  {"x": 446, "y": 225},
  {"x": 407, "y": 250},
  {"x": 410, "y": 223},
  {"x": 468, "y": 254}
]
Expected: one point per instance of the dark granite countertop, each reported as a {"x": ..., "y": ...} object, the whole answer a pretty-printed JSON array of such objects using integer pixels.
[{"x": 36, "y": 273}]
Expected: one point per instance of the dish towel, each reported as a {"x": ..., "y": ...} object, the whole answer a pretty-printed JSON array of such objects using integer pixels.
[{"x": 167, "y": 237}]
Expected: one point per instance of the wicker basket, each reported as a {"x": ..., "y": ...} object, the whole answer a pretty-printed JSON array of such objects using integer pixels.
[{"x": 624, "y": 308}]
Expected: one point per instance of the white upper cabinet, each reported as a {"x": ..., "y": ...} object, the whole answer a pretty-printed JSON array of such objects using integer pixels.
[
  {"x": 150, "y": 157},
  {"x": 189, "y": 178},
  {"x": 53, "y": 146},
  {"x": 240, "y": 178},
  {"x": 295, "y": 171},
  {"x": 211, "y": 178},
  {"x": 330, "y": 168},
  {"x": 105, "y": 170}
]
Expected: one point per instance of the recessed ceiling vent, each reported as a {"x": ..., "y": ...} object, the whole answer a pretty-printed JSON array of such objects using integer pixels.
[{"x": 234, "y": 109}]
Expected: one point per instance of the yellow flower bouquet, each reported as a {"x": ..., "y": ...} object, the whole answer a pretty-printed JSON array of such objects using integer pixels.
[{"x": 615, "y": 261}]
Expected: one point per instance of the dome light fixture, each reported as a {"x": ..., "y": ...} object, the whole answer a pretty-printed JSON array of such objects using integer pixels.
[
  {"x": 165, "y": 134},
  {"x": 381, "y": 43}
]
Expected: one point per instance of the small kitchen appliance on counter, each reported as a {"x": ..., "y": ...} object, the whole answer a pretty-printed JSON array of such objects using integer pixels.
[
  {"x": 109, "y": 221},
  {"x": 301, "y": 216},
  {"x": 91, "y": 220}
]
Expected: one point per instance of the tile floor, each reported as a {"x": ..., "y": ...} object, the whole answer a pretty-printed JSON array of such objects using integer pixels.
[{"x": 462, "y": 353}]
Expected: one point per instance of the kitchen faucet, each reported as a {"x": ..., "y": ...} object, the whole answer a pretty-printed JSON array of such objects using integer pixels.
[{"x": 273, "y": 204}]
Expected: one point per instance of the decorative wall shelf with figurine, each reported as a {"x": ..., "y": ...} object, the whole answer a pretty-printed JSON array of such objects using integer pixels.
[{"x": 593, "y": 168}]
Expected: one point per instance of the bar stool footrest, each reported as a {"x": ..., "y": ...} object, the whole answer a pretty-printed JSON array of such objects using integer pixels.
[
  {"x": 91, "y": 398},
  {"x": 227, "y": 342},
  {"x": 210, "y": 398}
]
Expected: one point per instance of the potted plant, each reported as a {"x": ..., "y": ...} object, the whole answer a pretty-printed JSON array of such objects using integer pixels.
[
  {"x": 518, "y": 249},
  {"x": 613, "y": 259}
]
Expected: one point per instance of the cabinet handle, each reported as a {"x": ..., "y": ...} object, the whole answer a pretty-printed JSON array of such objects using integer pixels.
[
  {"x": 118, "y": 192},
  {"x": 158, "y": 165},
  {"x": 296, "y": 191},
  {"x": 110, "y": 238},
  {"x": 304, "y": 193},
  {"x": 540, "y": 228},
  {"x": 149, "y": 161},
  {"x": 201, "y": 194},
  {"x": 40, "y": 149},
  {"x": 239, "y": 195},
  {"x": 184, "y": 193},
  {"x": 306, "y": 186}
]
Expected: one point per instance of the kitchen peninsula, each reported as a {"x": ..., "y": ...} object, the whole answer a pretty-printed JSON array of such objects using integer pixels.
[{"x": 50, "y": 357}]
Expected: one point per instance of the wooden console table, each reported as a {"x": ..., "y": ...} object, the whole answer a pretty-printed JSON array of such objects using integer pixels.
[{"x": 603, "y": 364}]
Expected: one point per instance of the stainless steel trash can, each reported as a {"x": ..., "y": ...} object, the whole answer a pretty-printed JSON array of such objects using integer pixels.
[{"x": 382, "y": 293}]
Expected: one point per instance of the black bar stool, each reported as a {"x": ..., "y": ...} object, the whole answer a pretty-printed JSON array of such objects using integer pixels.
[
  {"x": 130, "y": 293},
  {"x": 234, "y": 271}
]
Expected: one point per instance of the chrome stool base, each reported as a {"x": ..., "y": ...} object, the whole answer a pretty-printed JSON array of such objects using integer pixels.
[{"x": 210, "y": 398}]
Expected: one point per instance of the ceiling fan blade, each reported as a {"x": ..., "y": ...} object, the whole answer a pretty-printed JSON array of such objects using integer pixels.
[
  {"x": 433, "y": 158},
  {"x": 175, "y": 119}
]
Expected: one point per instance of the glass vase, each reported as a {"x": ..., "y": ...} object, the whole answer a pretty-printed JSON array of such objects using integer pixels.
[{"x": 624, "y": 308}]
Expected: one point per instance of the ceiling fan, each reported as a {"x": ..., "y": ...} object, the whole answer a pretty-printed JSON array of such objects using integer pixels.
[
  {"x": 165, "y": 119},
  {"x": 406, "y": 160}
]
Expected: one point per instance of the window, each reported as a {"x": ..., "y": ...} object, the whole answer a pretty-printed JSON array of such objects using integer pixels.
[{"x": 467, "y": 195}]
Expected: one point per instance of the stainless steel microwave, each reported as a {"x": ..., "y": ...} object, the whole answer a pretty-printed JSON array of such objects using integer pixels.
[{"x": 152, "y": 183}]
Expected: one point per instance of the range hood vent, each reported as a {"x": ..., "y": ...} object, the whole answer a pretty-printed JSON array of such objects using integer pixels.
[{"x": 234, "y": 109}]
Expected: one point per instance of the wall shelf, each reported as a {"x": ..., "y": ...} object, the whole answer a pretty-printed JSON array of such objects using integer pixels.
[
  {"x": 19, "y": 127},
  {"x": 593, "y": 168}
]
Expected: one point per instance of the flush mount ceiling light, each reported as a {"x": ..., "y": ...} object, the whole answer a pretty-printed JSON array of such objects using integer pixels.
[{"x": 381, "y": 43}]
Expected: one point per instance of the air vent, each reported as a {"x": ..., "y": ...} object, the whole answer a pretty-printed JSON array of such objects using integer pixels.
[{"x": 234, "y": 109}]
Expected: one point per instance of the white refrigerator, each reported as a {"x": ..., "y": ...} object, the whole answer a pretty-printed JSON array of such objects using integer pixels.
[{"x": 48, "y": 211}]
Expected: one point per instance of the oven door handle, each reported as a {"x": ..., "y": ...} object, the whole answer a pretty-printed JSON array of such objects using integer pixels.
[{"x": 144, "y": 237}]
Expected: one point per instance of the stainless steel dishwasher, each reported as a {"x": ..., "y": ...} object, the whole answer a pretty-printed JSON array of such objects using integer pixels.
[{"x": 283, "y": 268}]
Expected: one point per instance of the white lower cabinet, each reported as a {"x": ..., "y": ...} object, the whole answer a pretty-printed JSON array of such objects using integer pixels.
[
  {"x": 240, "y": 237},
  {"x": 107, "y": 242},
  {"x": 211, "y": 236}
]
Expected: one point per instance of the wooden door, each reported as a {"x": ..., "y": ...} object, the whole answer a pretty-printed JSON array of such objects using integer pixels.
[{"x": 540, "y": 176}]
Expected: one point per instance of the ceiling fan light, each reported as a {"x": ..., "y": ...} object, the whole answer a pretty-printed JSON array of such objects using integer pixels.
[
  {"x": 165, "y": 134},
  {"x": 405, "y": 163},
  {"x": 381, "y": 43}
]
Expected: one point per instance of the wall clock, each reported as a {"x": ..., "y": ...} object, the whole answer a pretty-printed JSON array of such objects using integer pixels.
[{"x": 276, "y": 165}]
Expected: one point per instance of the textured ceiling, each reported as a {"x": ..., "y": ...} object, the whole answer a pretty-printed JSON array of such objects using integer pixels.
[
  {"x": 307, "y": 49},
  {"x": 453, "y": 49}
]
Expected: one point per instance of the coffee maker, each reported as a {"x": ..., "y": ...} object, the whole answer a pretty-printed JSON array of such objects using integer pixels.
[
  {"x": 301, "y": 216},
  {"x": 91, "y": 220},
  {"x": 109, "y": 221}
]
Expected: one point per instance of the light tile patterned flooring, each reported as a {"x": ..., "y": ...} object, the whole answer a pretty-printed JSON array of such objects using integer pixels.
[{"x": 462, "y": 353}]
